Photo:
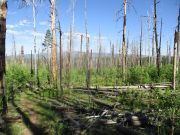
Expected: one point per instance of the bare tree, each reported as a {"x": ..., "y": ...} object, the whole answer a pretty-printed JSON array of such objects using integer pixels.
[
  {"x": 99, "y": 53},
  {"x": 175, "y": 59},
  {"x": 31, "y": 64},
  {"x": 124, "y": 41},
  {"x": 22, "y": 55},
  {"x": 141, "y": 45},
  {"x": 178, "y": 41},
  {"x": 61, "y": 57},
  {"x": 14, "y": 47},
  {"x": 159, "y": 59},
  {"x": 87, "y": 49},
  {"x": 80, "y": 56},
  {"x": 34, "y": 34},
  {"x": 3, "y": 11},
  {"x": 54, "y": 48},
  {"x": 156, "y": 39}
]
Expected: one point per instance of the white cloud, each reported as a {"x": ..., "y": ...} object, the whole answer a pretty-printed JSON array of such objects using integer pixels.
[
  {"x": 11, "y": 12},
  {"x": 13, "y": 32},
  {"x": 43, "y": 23},
  {"x": 75, "y": 34},
  {"x": 9, "y": 26},
  {"x": 24, "y": 23},
  {"x": 38, "y": 34}
]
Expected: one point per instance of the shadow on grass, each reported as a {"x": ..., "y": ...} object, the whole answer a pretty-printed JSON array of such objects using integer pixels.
[{"x": 35, "y": 130}]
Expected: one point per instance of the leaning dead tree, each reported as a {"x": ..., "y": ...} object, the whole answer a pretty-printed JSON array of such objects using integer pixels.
[
  {"x": 124, "y": 41},
  {"x": 3, "y": 11}
]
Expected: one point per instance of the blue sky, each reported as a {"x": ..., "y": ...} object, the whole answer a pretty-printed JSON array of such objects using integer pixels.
[{"x": 101, "y": 14}]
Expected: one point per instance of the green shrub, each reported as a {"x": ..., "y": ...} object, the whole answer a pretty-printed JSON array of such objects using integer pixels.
[
  {"x": 166, "y": 73},
  {"x": 152, "y": 72},
  {"x": 17, "y": 76},
  {"x": 137, "y": 75}
]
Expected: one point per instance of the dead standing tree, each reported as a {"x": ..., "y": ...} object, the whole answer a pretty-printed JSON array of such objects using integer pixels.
[
  {"x": 178, "y": 41},
  {"x": 87, "y": 49},
  {"x": 124, "y": 41},
  {"x": 3, "y": 11},
  {"x": 158, "y": 62},
  {"x": 99, "y": 54},
  {"x": 22, "y": 55},
  {"x": 175, "y": 59},
  {"x": 14, "y": 48},
  {"x": 176, "y": 53},
  {"x": 61, "y": 57},
  {"x": 81, "y": 55},
  {"x": 141, "y": 36},
  {"x": 54, "y": 49}
]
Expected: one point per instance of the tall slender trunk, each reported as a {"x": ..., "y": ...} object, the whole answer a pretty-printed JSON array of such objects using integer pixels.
[
  {"x": 141, "y": 46},
  {"x": 175, "y": 60},
  {"x": 14, "y": 47},
  {"x": 80, "y": 58},
  {"x": 61, "y": 58},
  {"x": 34, "y": 35},
  {"x": 99, "y": 54},
  {"x": 3, "y": 11},
  {"x": 153, "y": 51},
  {"x": 167, "y": 53},
  {"x": 31, "y": 64},
  {"x": 113, "y": 57},
  {"x": 156, "y": 40},
  {"x": 54, "y": 50},
  {"x": 159, "y": 51},
  {"x": 178, "y": 40},
  {"x": 22, "y": 55},
  {"x": 124, "y": 41},
  {"x": 149, "y": 58},
  {"x": 87, "y": 49}
]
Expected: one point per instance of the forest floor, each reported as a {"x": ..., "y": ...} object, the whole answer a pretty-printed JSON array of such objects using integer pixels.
[
  {"x": 76, "y": 113},
  {"x": 31, "y": 114}
]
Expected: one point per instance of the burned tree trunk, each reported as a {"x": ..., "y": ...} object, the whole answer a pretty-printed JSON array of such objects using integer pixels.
[
  {"x": 31, "y": 64},
  {"x": 61, "y": 58},
  {"x": 175, "y": 60},
  {"x": 14, "y": 47},
  {"x": 53, "y": 29},
  {"x": 156, "y": 40},
  {"x": 124, "y": 41},
  {"x": 176, "y": 53},
  {"x": 112, "y": 55},
  {"x": 159, "y": 59},
  {"x": 80, "y": 57},
  {"x": 3, "y": 10},
  {"x": 141, "y": 46},
  {"x": 88, "y": 65},
  {"x": 22, "y": 55},
  {"x": 99, "y": 54},
  {"x": 178, "y": 40},
  {"x": 34, "y": 36}
]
